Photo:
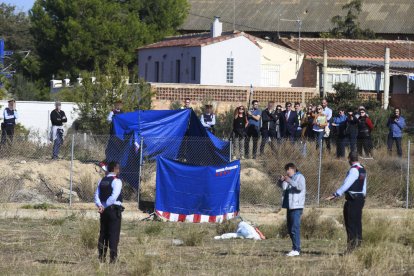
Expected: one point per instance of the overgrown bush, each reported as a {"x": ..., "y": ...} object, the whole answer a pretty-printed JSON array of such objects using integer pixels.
[
  {"x": 313, "y": 227},
  {"x": 194, "y": 237},
  {"x": 229, "y": 226},
  {"x": 89, "y": 231}
]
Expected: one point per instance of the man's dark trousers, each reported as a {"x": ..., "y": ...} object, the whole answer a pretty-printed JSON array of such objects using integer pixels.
[
  {"x": 266, "y": 134},
  {"x": 397, "y": 140},
  {"x": 109, "y": 233},
  {"x": 353, "y": 220},
  {"x": 252, "y": 131},
  {"x": 7, "y": 130}
]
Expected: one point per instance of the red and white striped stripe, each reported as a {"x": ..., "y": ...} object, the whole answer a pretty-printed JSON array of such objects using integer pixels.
[{"x": 195, "y": 218}]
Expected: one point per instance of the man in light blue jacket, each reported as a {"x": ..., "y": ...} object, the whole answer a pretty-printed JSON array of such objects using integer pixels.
[
  {"x": 293, "y": 185},
  {"x": 396, "y": 125}
]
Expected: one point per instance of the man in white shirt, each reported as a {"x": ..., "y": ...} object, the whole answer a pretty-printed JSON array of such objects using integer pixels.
[
  {"x": 108, "y": 199},
  {"x": 354, "y": 188},
  {"x": 328, "y": 113}
]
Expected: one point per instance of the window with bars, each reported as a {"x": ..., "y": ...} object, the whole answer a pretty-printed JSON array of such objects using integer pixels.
[{"x": 230, "y": 70}]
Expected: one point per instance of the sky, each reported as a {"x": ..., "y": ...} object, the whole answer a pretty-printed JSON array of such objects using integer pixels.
[{"x": 23, "y": 5}]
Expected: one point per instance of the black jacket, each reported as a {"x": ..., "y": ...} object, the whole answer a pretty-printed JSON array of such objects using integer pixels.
[
  {"x": 269, "y": 119},
  {"x": 58, "y": 118}
]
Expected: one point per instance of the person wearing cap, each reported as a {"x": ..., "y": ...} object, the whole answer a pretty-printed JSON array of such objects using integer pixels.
[
  {"x": 208, "y": 119},
  {"x": 58, "y": 117},
  {"x": 354, "y": 188},
  {"x": 7, "y": 127}
]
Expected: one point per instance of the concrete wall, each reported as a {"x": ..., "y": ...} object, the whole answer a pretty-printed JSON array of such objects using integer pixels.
[
  {"x": 246, "y": 62},
  {"x": 224, "y": 98},
  {"x": 35, "y": 116},
  {"x": 289, "y": 62}
]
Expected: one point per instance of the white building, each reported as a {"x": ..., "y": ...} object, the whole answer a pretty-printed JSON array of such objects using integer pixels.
[{"x": 218, "y": 58}]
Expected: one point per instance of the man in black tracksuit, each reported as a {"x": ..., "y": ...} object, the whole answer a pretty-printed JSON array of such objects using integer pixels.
[
  {"x": 354, "y": 188},
  {"x": 58, "y": 118},
  {"x": 268, "y": 130},
  {"x": 108, "y": 199}
]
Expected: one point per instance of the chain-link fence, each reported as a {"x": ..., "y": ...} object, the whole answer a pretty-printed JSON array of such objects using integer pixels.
[{"x": 30, "y": 174}]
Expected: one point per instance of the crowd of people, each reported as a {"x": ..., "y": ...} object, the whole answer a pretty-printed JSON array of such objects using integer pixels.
[{"x": 351, "y": 129}]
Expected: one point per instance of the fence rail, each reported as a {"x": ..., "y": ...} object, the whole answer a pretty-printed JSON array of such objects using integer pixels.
[{"x": 30, "y": 174}]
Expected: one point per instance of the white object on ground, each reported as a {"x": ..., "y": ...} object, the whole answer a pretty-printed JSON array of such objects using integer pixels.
[{"x": 244, "y": 231}]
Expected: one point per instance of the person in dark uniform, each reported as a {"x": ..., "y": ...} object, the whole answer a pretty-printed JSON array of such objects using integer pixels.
[
  {"x": 108, "y": 199},
  {"x": 208, "y": 119},
  {"x": 58, "y": 117},
  {"x": 354, "y": 187},
  {"x": 7, "y": 127}
]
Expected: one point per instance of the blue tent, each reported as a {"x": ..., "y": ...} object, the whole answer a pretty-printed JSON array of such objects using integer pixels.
[
  {"x": 197, "y": 193},
  {"x": 173, "y": 134}
]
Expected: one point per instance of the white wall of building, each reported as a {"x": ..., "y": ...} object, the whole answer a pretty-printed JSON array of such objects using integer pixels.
[
  {"x": 288, "y": 62},
  {"x": 35, "y": 116},
  {"x": 167, "y": 64},
  {"x": 246, "y": 57}
]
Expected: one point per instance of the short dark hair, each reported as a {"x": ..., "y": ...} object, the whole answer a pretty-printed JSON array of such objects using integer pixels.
[
  {"x": 398, "y": 109},
  {"x": 297, "y": 103},
  {"x": 112, "y": 165},
  {"x": 255, "y": 101},
  {"x": 290, "y": 166},
  {"x": 288, "y": 103},
  {"x": 278, "y": 106},
  {"x": 353, "y": 156}
]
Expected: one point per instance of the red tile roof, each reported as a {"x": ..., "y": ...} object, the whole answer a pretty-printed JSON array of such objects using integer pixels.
[
  {"x": 194, "y": 40},
  {"x": 352, "y": 49}
]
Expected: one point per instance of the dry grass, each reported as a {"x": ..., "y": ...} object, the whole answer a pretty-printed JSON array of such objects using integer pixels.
[{"x": 44, "y": 247}]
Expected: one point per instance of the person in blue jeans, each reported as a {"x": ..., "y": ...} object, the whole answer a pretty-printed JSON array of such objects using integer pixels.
[
  {"x": 396, "y": 125},
  {"x": 293, "y": 185}
]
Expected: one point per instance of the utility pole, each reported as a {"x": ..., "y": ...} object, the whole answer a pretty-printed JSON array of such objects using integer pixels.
[
  {"x": 409, "y": 58},
  {"x": 325, "y": 71},
  {"x": 299, "y": 24},
  {"x": 234, "y": 15},
  {"x": 386, "y": 78}
]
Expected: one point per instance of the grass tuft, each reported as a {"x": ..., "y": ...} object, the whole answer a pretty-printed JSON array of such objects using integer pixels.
[{"x": 89, "y": 234}]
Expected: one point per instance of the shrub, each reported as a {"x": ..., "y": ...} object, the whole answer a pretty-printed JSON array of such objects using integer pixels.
[
  {"x": 153, "y": 229},
  {"x": 89, "y": 234},
  {"x": 271, "y": 231},
  {"x": 41, "y": 206},
  {"x": 194, "y": 238},
  {"x": 313, "y": 227},
  {"x": 140, "y": 265},
  {"x": 229, "y": 226},
  {"x": 86, "y": 187}
]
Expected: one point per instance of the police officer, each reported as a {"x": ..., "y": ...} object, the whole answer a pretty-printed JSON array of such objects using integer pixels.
[
  {"x": 108, "y": 199},
  {"x": 58, "y": 117},
  {"x": 354, "y": 187},
  {"x": 7, "y": 127},
  {"x": 208, "y": 119}
]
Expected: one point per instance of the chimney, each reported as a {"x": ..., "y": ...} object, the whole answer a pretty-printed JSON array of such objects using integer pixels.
[{"x": 216, "y": 27}]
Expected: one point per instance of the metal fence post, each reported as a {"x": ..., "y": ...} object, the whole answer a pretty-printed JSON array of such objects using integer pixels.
[
  {"x": 141, "y": 159},
  {"x": 231, "y": 150},
  {"x": 408, "y": 174},
  {"x": 319, "y": 171},
  {"x": 71, "y": 170}
]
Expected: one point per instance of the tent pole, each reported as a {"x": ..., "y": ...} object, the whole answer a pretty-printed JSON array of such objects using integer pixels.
[{"x": 140, "y": 168}]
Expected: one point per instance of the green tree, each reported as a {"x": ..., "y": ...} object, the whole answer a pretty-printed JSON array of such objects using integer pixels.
[
  {"x": 15, "y": 30},
  {"x": 72, "y": 36},
  {"x": 348, "y": 26},
  {"x": 96, "y": 99}
]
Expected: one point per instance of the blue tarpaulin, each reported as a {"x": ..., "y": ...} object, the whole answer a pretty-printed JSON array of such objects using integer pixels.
[
  {"x": 174, "y": 134},
  {"x": 186, "y": 192}
]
